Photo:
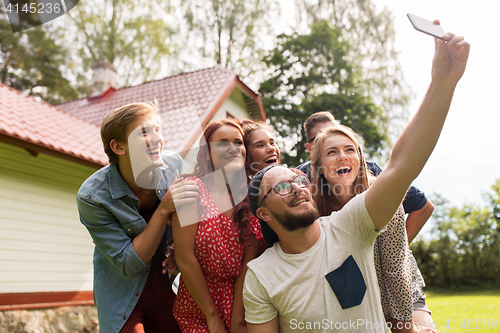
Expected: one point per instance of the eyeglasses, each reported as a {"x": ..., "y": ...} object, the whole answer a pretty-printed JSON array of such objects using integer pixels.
[{"x": 285, "y": 187}]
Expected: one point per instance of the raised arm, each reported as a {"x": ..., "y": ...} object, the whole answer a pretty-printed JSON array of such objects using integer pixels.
[{"x": 413, "y": 148}]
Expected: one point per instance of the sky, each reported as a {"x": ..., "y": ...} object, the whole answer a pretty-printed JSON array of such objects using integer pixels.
[{"x": 466, "y": 160}]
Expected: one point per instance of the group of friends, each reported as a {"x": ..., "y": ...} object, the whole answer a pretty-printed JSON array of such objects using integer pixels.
[{"x": 261, "y": 247}]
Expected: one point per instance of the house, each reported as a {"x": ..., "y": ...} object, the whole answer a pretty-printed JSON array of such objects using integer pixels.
[
  {"x": 47, "y": 152},
  {"x": 187, "y": 103}
]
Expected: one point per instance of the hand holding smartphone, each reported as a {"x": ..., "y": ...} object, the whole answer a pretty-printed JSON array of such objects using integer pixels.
[{"x": 426, "y": 26}]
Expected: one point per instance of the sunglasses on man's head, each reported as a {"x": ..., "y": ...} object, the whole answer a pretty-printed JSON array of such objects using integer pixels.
[{"x": 285, "y": 187}]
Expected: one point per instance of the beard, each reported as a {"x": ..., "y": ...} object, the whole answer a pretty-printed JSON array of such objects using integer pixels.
[{"x": 291, "y": 221}]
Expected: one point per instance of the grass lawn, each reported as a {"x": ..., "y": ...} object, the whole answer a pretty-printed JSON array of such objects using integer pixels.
[{"x": 465, "y": 311}]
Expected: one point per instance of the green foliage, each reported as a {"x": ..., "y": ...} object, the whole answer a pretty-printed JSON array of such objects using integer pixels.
[
  {"x": 228, "y": 32},
  {"x": 465, "y": 248},
  {"x": 132, "y": 35},
  {"x": 371, "y": 34},
  {"x": 493, "y": 197},
  {"x": 33, "y": 61},
  {"x": 311, "y": 73},
  {"x": 356, "y": 111}
]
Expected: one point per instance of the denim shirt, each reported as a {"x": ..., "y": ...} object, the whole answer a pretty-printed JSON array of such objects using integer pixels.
[{"x": 110, "y": 211}]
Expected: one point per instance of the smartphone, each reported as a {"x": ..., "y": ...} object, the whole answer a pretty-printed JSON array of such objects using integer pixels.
[{"x": 426, "y": 26}]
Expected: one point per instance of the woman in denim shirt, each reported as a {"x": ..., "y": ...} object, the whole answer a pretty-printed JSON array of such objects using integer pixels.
[{"x": 125, "y": 207}]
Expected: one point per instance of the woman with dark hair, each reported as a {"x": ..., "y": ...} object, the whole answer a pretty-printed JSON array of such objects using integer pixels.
[
  {"x": 339, "y": 173},
  {"x": 262, "y": 149},
  {"x": 216, "y": 236}
]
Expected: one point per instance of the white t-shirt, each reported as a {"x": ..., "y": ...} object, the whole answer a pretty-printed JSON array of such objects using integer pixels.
[{"x": 294, "y": 287}]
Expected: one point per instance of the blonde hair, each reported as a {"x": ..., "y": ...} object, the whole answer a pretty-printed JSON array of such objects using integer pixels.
[
  {"x": 324, "y": 197},
  {"x": 114, "y": 126}
]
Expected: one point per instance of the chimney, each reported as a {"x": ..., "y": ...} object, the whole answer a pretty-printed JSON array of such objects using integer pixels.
[{"x": 103, "y": 78}]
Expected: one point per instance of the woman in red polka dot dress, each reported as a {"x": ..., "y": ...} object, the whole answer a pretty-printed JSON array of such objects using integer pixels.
[{"x": 216, "y": 236}]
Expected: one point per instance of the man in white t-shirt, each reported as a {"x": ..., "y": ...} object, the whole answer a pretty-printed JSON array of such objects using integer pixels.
[
  {"x": 319, "y": 275},
  {"x": 323, "y": 281}
]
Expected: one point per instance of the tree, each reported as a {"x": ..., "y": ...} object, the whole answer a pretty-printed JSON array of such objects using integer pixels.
[
  {"x": 33, "y": 61},
  {"x": 493, "y": 198},
  {"x": 231, "y": 33},
  {"x": 372, "y": 38},
  {"x": 311, "y": 73},
  {"x": 132, "y": 35},
  {"x": 465, "y": 247}
]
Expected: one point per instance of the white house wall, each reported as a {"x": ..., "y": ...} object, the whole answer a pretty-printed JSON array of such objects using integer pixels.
[
  {"x": 43, "y": 245},
  {"x": 234, "y": 105}
]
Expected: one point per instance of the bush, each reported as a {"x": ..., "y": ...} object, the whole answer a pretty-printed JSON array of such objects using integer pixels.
[{"x": 465, "y": 246}]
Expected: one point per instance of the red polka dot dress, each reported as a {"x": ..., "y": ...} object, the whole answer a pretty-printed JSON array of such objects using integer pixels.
[{"x": 220, "y": 253}]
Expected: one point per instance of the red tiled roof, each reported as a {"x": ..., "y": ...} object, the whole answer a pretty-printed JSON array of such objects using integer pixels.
[
  {"x": 35, "y": 124},
  {"x": 191, "y": 96},
  {"x": 71, "y": 130}
]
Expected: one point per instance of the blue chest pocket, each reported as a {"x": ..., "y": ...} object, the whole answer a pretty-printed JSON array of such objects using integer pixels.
[{"x": 347, "y": 283}]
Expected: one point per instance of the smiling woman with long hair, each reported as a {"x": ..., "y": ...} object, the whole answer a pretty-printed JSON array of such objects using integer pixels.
[
  {"x": 262, "y": 149},
  {"x": 339, "y": 173},
  {"x": 216, "y": 236}
]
